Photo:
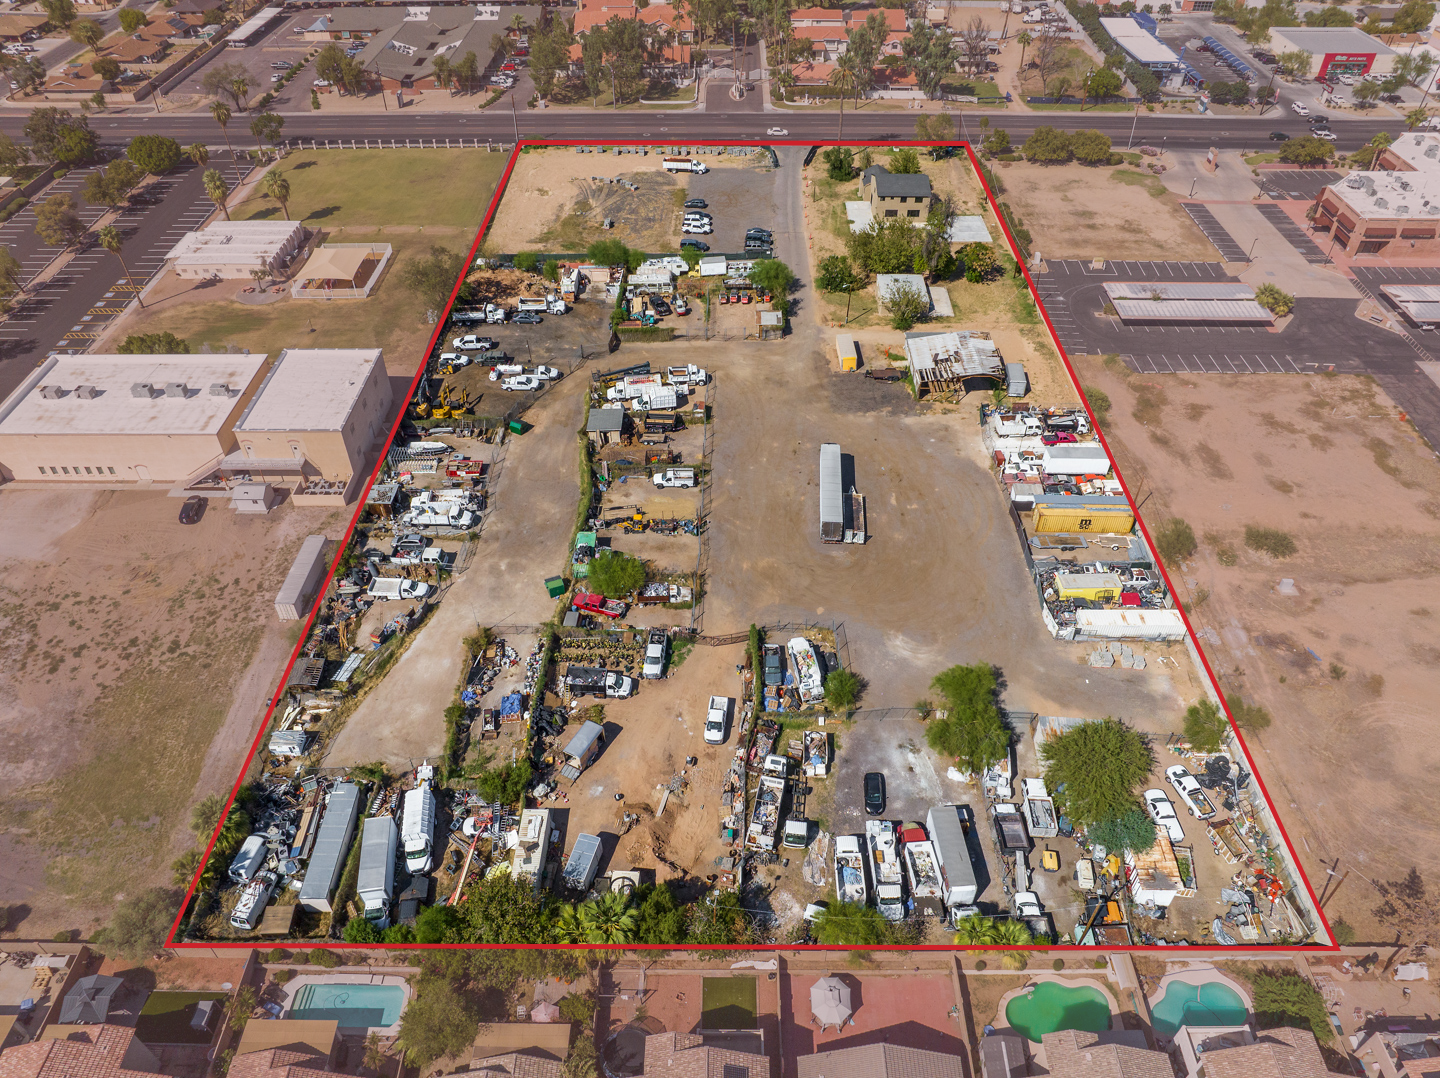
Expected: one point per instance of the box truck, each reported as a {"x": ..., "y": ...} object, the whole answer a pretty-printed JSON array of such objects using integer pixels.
[
  {"x": 375, "y": 886},
  {"x": 947, "y": 834}
]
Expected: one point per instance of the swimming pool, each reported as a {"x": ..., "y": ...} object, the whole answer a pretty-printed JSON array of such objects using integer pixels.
[
  {"x": 1050, "y": 1006},
  {"x": 352, "y": 1005},
  {"x": 1208, "y": 1004}
]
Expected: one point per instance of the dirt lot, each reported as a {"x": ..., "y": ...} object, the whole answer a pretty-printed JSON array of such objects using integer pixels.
[
  {"x": 557, "y": 200},
  {"x": 1080, "y": 212},
  {"x": 1346, "y": 667},
  {"x": 139, "y": 654}
]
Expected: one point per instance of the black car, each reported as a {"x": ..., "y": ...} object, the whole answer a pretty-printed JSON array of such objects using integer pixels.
[
  {"x": 696, "y": 245},
  {"x": 1279, "y": 136},
  {"x": 526, "y": 318},
  {"x": 762, "y": 233},
  {"x": 874, "y": 793},
  {"x": 696, "y": 204},
  {"x": 193, "y": 509}
]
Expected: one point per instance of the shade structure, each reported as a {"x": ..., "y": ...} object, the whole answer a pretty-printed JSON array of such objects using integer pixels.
[
  {"x": 544, "y": 1011},
  {"x": 335, "y": 263},
  {"x": 88, "y": 1002},
  {"x": 830, "y": 1001}
]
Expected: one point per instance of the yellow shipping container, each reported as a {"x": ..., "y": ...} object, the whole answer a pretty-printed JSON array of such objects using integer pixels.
[
  {"x": 1108, "y": 521},
  {"x": 849, "y": 356},
  {"x": 1097, "y": 587}
]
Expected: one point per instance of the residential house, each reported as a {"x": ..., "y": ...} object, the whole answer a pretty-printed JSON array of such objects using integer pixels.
[
  {"x": 520, "y": 1048},
  {"x": 893, "y": 194},
  {"x": 881, "y": 1061},
  {"x": 300, "y": 1061},
  {"x": 137, "y": 50},
  {"x": 103, "y": 1051},
  {"x": 315, "y": 1039},
  {"x": 81, "y": 82},
  {"x": 1073, "y": 1053},
  {"x": 687, "y": 1055},
  {"x": 669, "y": 34},
  {"x": 16, "y": 27},
  {"x": 1276, "y": 1053},
  {"x": 197, "y": 7}
]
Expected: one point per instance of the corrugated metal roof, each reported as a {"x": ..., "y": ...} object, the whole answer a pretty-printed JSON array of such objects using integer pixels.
[
  {"x": 332, "y": 843},
  {"x": 1139, "y": 43},
  {"x": 298, "y": 579},
  {"x": 377, "y": 856},
  {"x": 1179, "y": 290},
  {"x": 584, "y": 859},
  {"x": 1411, "y": 293},
  {"x": 1193, "y": 310},
  {"x": 832, "y": 509}
]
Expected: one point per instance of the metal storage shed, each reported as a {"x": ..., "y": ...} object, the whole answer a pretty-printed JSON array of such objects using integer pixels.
[
  {"x": 582, "y": 749},
  {"x": 331, "y": 845},
  {"x": 1017, "y": 384},
  {"x": 832, "y": 506},
  {"x": 298, "y": 591},
  {"x": 583, "y": 863},
  {"x": 1084, "y": 458}
]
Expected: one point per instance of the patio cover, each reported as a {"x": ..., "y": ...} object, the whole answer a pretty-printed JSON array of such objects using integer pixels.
[
  {"x": 335, "y": 263},
  {"x": 89, "y": 1001},
  {"x": 830, "y": 1001}
]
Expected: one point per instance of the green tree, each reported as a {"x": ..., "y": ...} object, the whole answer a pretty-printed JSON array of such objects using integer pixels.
[
  {"x": 57, "y": 221},
  {"x": 906, "y": 304},
  {"x": 1275, "y": 301},
  {"x": 220, "y": 80},
  {"x": 773, "y": 276},
  {"x": 154, "y": 153},
  {"x": 13, "y": 155},
  {"x": 1295, "y": 64},
  {"x": 608, "y": 920},
  {"x": 1101, "y": 765},
  {"x": 980, "y": 262},
  {"x": 433, "y": 277},
  {"x": 1025, "y": 39},
  {"x": 613, "y": 574},
  {"x": 184, "y": 867},
  {"x": 442, "y": 72},
  {"x": 1205, "y": 726},
  {"x": 505, "y": 785},
  {"x": 975, "y": 930},
  {"x": 839, "y": 163},
  {"x": 527, "y": 261},
  {"x": 86, "y": 32},
  {"x": 161, "y": 344},
  {"x": 217, "y": 190},
  {"x": 1090, "y": 147},
  {"x": 1284, "y": 998},
  {"x": 1413, "y": 16},
  {"x": 1251, "y": 718},
  {"x": 1415, "y": 117},
  {"x": 608, "y": 253},
  {"x": 549, "y": 53},
  {"x": 107, "y": 67},
  {"x": 467, "y": 71},
  {"x": 1101, "y": 84},
  {"x": 139, "y": 925},
  {"x": 439, "y": 924},
  {"x": 131, "y": 19},
  {"x": 276, "y": 186},
  {"x": 501, "y": 909},
  {"x": 329, "y": 61},
  {"x": 584, "y": 1059},
  {"x": 1131, "y": 830},
  {"x": 439, "y": 1021},
  {"x": 266, "y": 127},
  {"x": 836, "y": 275},
  {"x": 1175, "y": 541},
  {"x": 997, "y": 142},
  {"x": 361, "y": 930},
  {"x": 842, "y": 689},
  {"x": 1048, "y": 146},
  {"x": 1330, "y": 16},
  {"x": 886, "y": 245},
  {"x": 1143, "y": 79},
  {"x": 973, "y": 731},
  {"x": 848, "y": 923},
  {"x": 1366, "y": 93},
  {"x": 930, "y": 55},
  {"x": 58, "y": 137},
  {"x": 660, "y": 918},
  {"x": 110, "y": 239},
  {"x": 61, "y": 13},
  {"x": 905, "y": 162},
  {"x": 110, "y": 186},
  {"x": 10, "y": 274}
]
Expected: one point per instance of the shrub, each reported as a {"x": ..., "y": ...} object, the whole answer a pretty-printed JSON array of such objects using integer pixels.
[
  {"x": 1058, "y": 965},
  {"x": 1275, "y": 301},
  {"x": 1174, "y": 541},
  {"x": 1270, "y": 541},
  {"x": 324, "y": 959},
  {"x": 281, "y": 976},
  {"x": 614, "y": 574},
  {"x": 981, "y": 966},
  {"x": 1099, "y": 403},
  {"x": 527, "y": 261},
  {"x": 842, "y": 688},
  {"x": 1251, "y": 718},
  {"x": 1343, "y": 932}
]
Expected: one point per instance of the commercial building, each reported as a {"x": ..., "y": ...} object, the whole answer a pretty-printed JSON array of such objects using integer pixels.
[
  {"x": 1371, "y": 212},
  {"x": 121, "y": 420},
  {"x": 1337, "y": 50},
  {"x": 232, "y": 249},
  {"x": 1139, "y": 303},
  {"x": 1147, "y": 50},
  {"x": 315, "y": 424},
  {"x": 401, "y": 47}
]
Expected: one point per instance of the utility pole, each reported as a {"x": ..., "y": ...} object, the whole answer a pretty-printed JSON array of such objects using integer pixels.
[
  {"x": 515, "y": 116},
  {"x": 1131, "y": 140}
]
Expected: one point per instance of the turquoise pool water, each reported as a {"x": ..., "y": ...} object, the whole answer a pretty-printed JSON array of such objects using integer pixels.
[
  {"x": 352, "y": 1005},
  {"x": 1053, "y": 1006},
  {"x": 1208, "y": 1004}
]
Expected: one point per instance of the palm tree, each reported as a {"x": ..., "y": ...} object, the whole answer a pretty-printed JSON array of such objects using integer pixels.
[
  {"x": 241, "y": 89},
  {"x": 517, "y": 22},
  {"x": 567, "y": 927},
  {"x": 221, "y": 112},
  {"x": 608, "y": 919},
  {"x": 1013, "y": 933},
  {"x": 199, "y": 153},
  {"x": 845, "y": 79},
  {"x": 110, "y": 239},
  {"x": 217, "y": 190},
  {"x": 278, "y": 188},
  {"x": 975, "y": 931},
  {"x": 1026, "y": 39}
]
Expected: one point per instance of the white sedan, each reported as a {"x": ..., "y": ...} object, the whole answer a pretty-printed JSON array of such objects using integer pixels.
[
  {"x": 779, "y": 132},
  {"x": 1163, "y": 813},
  {"x": 472, "y": 343},
  {"x": 547, "y": 374},
  {"x": 521, "y": 383}
]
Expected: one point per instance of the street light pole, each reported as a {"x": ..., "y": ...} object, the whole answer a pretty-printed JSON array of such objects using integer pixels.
[
  {"x": 515, "y": 116},
  {"x": 1131, "y": 140}
]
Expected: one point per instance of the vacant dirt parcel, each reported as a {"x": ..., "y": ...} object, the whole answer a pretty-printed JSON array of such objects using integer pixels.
[{"x": 1346, "y": 665}]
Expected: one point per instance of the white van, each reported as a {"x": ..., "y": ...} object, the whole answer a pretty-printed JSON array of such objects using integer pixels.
[
  {"x": 387, "y": 588},
  {"x": 253, "y": 900}
]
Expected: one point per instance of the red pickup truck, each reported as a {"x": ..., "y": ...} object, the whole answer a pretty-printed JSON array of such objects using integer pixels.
[{"x": 598, "y": 604}]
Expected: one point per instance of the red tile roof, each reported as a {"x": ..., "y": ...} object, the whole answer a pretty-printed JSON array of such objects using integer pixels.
[
  {"x": 95, "y": 1052},
  {"x": 279, "y": 1063}
]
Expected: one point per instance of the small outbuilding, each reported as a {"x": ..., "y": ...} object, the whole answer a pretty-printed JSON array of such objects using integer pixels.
[
  {"x": 341, "y": 271},
  {"x": 232, "y": 249},
  {"x": 298, "y": 590},
  {"x": 582, "y": 749},
  {"x": 583, "y": 862},
  {"x": 605, "y": 425}
]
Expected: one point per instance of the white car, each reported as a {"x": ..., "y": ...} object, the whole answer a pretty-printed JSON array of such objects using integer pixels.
[
  {"x": 454, "y": 359},
  {"x": 276, "y": 77},
  {"x": 473, "y": 343},
  {"x": 1346, "y": 80},
  {"x": 547, "y": 374},
  {"x": 778, "y": 131},
  {"x": 322, "y": 83},
  {"x": 696, "y": 230},
  {"x": 1196, "y": 801},
  {"x": 1328, "y": 136},
  {"x": 1163, "y": 813},
  {"x": 521, "y": 383},
  {"x": 1298, "y": 109}
]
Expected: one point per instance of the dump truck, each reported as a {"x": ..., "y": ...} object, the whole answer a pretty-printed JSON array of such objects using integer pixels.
[
  {"x": 884, "y": 851},
  {"x": 593, "y": 681},
  {"x": 947, "y": 834},
  {"x": 1040, "y": 817},
  {"x": 375, "y": 886},
  {"x": 684, "y": 164},
  {"x": 1010, "y": 834},
  {"x": 769, "y": 796},
  {"x": 688, "y": 375}
]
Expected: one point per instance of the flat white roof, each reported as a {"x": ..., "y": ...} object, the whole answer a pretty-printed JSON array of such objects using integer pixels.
[
  {"x": 1421, "y": 151},
  {"x": 237, "y": 242},
  {"x": 1189, "y": 310},
  {"x": 310, "y": 389},
  {"x": 1206, "y": 290},
  {"x": 256, "y": 23},
  {"x": 1320, "y": 41},
  {"x": 114, "y": 408},
  {"x": 1139, "y": 42},
  {"x": 1391, "y": 195}
]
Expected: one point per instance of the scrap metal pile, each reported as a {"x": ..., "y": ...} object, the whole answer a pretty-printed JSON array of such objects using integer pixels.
[{"x": 1138, "y": 586}]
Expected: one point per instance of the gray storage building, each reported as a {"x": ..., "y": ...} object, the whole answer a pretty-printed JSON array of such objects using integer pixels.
[
  {"x": 337, "y": 829},
  {"x": 832, "y": 506},
  {"x": 298, "y": 591},
  {"x": 583, "y": 863}
]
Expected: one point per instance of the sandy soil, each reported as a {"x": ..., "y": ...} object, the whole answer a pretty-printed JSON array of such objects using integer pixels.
[
  {"x": 1326, "y": 460},
  {"x": 1076, "y": 211},
  {"x": 138, "y": 657}
]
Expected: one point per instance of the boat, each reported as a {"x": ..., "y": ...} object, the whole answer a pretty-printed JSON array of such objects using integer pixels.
[
  {"x": 809, "y": 674},
  {"x": 885, "y": 863},
  {"x": 427, "y": 449},
  {"x": 850, "y": 884}
]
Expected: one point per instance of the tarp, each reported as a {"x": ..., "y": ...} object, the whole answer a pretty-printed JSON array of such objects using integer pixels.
[{"x": 335, "y": 263}]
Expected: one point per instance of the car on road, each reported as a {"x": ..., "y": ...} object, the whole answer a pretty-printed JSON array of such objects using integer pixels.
[
  {"x": 874, "y": 793},
  {"x": 1163, "y": 813},
  {"x": 1299, "y": 109},
  {"x": 778, "y": 131},
  {"x": 656, "y": 646},
  {"x": 547, "y": 374},
  {"x": 697, "y": 245},
  {"x": 526, "y": 318},
  {"x": 473, "y": 343},
  {"x": 1325, "y": 133},
  {"x": 696, "y": 204},
  {"x": 282, "y": 65},
  {"x": 1279, "y": 136},
  {"x": 521, "y": 383},
  {"x": 193, "y": 509}
]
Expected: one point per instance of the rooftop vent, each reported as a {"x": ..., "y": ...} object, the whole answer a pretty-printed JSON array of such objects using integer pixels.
[
  {"x": 51, "y": 393},
  {"x": 176, "y": 389},
  {"x": 1402, "y": 211},
  {"x": 219, "y": 389},
  {"x": 1382, "y": 203},
  {"x": 142, "y": 389},
  {"x": 86, "y": 393},
  {"x": 1432, "y": 211},
  {"x": 1354, "y": 181},
  {"x": 1432, "y": 150}
]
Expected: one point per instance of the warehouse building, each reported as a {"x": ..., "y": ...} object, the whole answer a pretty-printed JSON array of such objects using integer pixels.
[
  {"x": 315, "y": 425},
  {"x": 1214, "y": 303},
  {"x": 1338, "y": 50},
  {"x": 232, "y": 249},
  {"x": 118, "y": 420}
]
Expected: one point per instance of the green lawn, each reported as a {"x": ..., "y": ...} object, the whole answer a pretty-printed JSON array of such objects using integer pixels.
[
  {"x": 728, "y": 1003},
  {"x": 968, "y": 85},
  {"x": 384, "y": 187},
  {"x": 165, "y": 1018}
]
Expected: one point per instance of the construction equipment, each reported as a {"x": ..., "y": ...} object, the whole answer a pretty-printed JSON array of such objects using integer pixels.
[{"x": 634, "y": 523}]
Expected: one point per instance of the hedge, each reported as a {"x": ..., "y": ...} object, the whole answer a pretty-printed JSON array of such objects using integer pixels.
[{"x": 647, "y": 333}]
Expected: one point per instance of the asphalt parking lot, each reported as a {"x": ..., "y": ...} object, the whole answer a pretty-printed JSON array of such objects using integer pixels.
[
  {"x": 1297, "y": 183},
  {"x": 1224, "y": 243},
  {"x": 280, "y": 44},
  {"x": 737, "y": 202}
]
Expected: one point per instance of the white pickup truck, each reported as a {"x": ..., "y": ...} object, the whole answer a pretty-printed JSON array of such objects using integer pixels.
[
  {"x": 674, "y": 477},
  {"x": 387, "y": 588},
  {"x": 715, "y": 720},
  {"x": 1191, "y": 794}
]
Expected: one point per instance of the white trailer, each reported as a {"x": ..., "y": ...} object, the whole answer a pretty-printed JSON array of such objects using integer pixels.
[
  {"x": 1040, "y": 818},
  {"x": 850, "y": 882},
  {"x": 947, "y": 834},
  {"x": 419, "y": 827},
  {"x": 684, "y": 164},
  {"x": 375, "y": 885},
  {"x": 832, "y": 506},
  {"x": 253, "y": 900}
]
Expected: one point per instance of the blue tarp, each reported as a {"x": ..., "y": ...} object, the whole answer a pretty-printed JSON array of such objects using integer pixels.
[{"x": 511, "y": 704}]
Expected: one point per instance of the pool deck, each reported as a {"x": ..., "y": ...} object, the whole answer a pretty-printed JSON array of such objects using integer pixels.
[{"x": 289, "y": 990}]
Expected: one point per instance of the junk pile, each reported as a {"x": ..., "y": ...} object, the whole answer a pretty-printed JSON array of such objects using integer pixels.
[{"x": 1105, "y": 656}]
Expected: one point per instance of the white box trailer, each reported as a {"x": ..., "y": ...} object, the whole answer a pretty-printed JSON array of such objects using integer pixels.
[
  {"x": 297, "y": 593},
  {"x": 1130, "y": 623},
  {"x": 375, "y": 886},
  {"x": 583, "y": 862},
  {"x": 832, "y": 505},
  {"x": 947, "y": 835},
  {"x": 1078, "y": 458}
]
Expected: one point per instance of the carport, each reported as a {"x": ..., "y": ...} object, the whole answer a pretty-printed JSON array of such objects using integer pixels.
[{"x": 1198, "y": 303}]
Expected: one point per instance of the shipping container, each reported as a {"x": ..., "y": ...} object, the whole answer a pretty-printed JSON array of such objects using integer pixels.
[
  {"x": 1107, "y": 521},
  {"x": 1131, "y": 623},
  {"x": 848, "y": 353},
  {"x": 1097, "y": 587},
  {"x": 298, "y": 592}
]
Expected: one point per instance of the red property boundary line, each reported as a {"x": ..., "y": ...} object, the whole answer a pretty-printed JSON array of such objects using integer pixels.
[{"x": 172, "y": 943}]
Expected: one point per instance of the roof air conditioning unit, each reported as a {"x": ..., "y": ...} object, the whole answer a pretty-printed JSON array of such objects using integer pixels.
[
  {"x": 51, "y": 393},
  {"x": 176, "y": 389},
  {"x": 1382, "y": 203},
  {"x": 86, "y": 393},
  {"x": 1402, "y": 211},
  {"x": 219, "y": 389},
  {"x": 142, "y": 389}
]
